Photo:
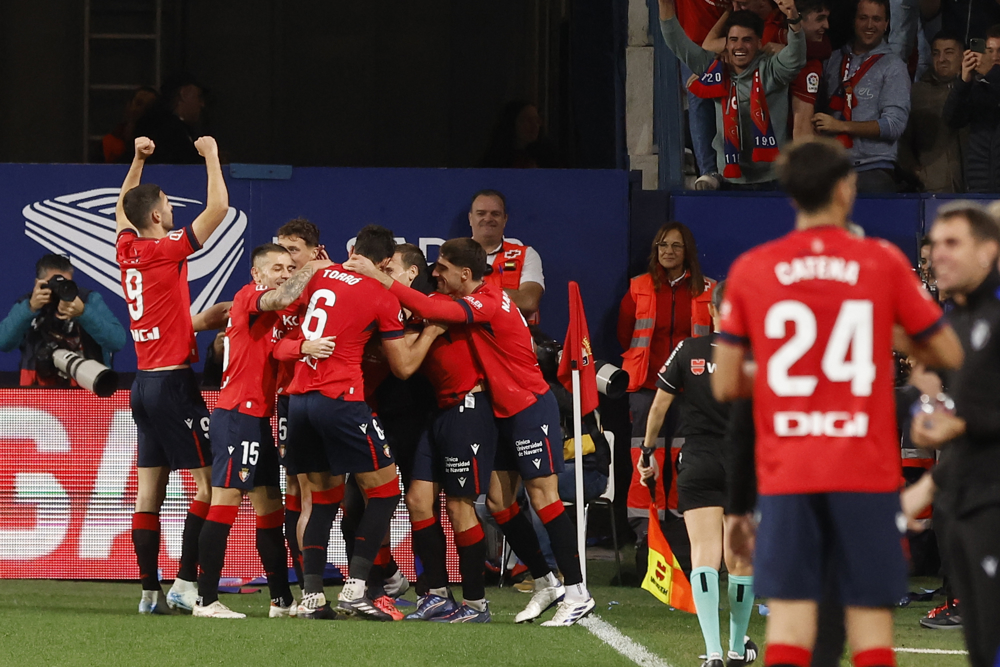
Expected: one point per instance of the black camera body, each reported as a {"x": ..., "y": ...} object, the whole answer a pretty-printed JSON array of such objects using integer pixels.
[{"x": 63, "y": 289}]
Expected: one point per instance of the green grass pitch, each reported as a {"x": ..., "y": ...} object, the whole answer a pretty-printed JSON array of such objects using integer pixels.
[{"x": 86, "y": 623}]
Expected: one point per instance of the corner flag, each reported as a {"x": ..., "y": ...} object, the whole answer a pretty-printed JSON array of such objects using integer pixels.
[
  {"x": 664, "y": 577},
  {"x": 577, "y": 353}
]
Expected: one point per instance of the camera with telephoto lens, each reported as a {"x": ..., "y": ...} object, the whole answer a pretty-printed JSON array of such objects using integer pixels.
[
  {"x": 60, "y": 352},
  {"x": 611, "y": 380},
  {"x": 63, "y": 289}
]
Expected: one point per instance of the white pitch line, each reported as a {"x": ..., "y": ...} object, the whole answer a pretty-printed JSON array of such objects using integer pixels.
[
  {"x": 632, "y": 650},
  {"x": 934, "y": 651}
]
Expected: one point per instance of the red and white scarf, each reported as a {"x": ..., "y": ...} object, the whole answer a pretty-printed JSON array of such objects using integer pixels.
[{"x": 716, "y": 83}]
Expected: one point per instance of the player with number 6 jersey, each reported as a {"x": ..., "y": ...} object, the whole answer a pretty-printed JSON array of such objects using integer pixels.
[
  {"x": 817, "y": 308},
  {"x": 332, "y": 431}
]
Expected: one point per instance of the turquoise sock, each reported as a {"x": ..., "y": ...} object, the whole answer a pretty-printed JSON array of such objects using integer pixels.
[
  {"x": 740, "y": 607},
  {"x": 705, "y": 586}
]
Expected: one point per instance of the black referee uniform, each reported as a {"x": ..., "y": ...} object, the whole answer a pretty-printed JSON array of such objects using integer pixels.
[
  {"x": 701, "y": 467},
  {"x": 969, "y": 472}
]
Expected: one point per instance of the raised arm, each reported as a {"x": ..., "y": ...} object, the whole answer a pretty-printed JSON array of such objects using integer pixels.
[
  {"x": 281, "y": 298},
  {"x": 144, "y": 147},
  {"x": 696, "y": 58},
  {"x": 715, "y": 41},
  {"x": 217, "y": 202},
  {"x": 790, "y": 60}
]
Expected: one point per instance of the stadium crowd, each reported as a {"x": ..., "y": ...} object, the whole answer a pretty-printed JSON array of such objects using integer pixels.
[{"x": 916, "y": 108}]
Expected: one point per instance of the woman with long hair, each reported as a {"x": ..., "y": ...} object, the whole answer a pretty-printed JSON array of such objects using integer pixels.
[{"x": 663, "y": 306}]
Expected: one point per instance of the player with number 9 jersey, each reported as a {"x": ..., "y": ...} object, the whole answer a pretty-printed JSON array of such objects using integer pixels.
[
  {"x": 155, "y": 283},
  {"x": 818, "y": 308}
]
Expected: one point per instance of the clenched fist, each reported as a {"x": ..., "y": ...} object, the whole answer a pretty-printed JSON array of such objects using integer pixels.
[
  {"x": 144, "y": 147},
  {"x": 206, "y": 146}
]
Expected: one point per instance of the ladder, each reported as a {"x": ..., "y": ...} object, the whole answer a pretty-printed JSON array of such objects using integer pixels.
[{"x": 122, "y": 47}]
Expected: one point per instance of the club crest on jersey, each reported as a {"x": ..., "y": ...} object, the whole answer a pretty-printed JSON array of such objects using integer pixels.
[
  {"x": 697, "y": 366},
  {"x": 281, "y": 450},
  {"x": 244, "y": 474},
  {"x": 56, "y": 225},
  {"x": 385, "y": 450}
]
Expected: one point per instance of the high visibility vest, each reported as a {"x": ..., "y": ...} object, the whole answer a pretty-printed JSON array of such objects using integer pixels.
[
  {"x": 507, "y": 268},
  {"x": 636, "y": 357}
]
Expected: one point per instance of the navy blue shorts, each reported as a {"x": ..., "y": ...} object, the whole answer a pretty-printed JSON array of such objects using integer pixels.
[
  {"x": 531, "y": 441},
  {"x": 457, "y": 451},
  {"x": 856, "y": 538},
  {"x": 243, "y": 451},
  {"x": 171, "y": 420},
  {"x": 333, "y": 435},
  {"x": 282, "y": 428}
]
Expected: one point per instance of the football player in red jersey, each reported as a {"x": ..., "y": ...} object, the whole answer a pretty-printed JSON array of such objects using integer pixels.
[
  {"x": 332, "y": 431},
  {"x": 245, "y": 460},
  {"x": 819, "y": 309},
  {"x": 455, "y": 452},
  {"x": 167, "y": 406},
  {"x": 301, "y": 238},
  {"x": 528, "y": 419}
]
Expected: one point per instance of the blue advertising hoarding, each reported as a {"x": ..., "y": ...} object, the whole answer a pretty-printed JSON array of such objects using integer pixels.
[{"x": 577, "y": 220}]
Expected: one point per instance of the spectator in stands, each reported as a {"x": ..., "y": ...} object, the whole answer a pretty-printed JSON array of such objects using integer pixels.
[
  {"x": 930, "y": 149},
  {"x": 975, "y": 102},
  {"x": 804, "y": 89},
  {"x": 58, "y": 315},
  {"x": 750, "y": 88},
  {"x": 663, "y": 306},
  {"x": 518, "y": 140},
  {"x": 698, "y": 18},
  {"x": 517, "y": 268},
  {"x": 870, "y": 101},
  {"x": 968, "y": 19},
  {"x": 114, "y": 143},
  {"x": 175, "y": 123}
]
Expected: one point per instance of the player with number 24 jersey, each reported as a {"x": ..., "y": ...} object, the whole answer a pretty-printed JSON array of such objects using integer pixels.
[{"x": 818, "y": 307}]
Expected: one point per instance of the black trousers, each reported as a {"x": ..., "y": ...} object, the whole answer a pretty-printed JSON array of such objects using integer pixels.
[{"x": 974, "y": 565}]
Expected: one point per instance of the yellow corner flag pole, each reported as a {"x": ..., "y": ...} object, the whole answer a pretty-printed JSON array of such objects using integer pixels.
[{"x": 664, "y": 577}]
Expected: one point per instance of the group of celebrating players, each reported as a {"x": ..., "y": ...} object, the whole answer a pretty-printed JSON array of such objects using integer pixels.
[
  {"x": 301, "y": 331},
  {"x": 806, "y": 329}
]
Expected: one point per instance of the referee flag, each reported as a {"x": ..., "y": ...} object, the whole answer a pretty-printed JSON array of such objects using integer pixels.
[
  {"x": 577, "y": 354},
  {"x": 664, "y": 577}
]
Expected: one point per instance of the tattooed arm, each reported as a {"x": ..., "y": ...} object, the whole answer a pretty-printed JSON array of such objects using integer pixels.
[{"x": 281, "y": 298}]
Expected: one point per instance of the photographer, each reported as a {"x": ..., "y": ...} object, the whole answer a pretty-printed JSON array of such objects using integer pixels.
[{"x": 58, "y": 314}]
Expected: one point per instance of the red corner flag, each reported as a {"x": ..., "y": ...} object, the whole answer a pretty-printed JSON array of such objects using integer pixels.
[{"x": 577, "y": 354}]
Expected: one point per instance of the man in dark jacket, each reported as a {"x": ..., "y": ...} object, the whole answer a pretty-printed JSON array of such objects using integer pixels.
[
  {"x": 965, "y": 241},
  {"x": 47, "y": 319},
  {"x": 975, "y": 101},
  {"x": 930, "y": 149}
]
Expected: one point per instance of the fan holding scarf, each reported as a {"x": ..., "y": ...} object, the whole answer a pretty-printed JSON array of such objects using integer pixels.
[{"x": 750, "y": 88}]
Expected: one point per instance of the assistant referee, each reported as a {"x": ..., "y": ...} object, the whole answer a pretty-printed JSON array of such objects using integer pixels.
[{"x": 965, "y": 242}]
